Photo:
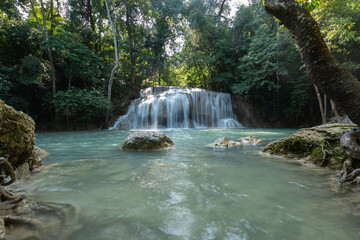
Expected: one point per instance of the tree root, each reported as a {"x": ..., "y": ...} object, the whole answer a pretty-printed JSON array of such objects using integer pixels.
[
  {"x": 350, "y": 177},
  {"x": 351, "y": 171},
  {"x": 348, "y": 142},
  {"x": 324, "y": 160},
  {"x": 6, "y": 166},
  {"x": 347, "y": 168},
  {"x": 6, "y": 195}
]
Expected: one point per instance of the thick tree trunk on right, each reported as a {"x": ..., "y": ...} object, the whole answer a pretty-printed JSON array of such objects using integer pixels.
[{"x": 326, "y": 72}]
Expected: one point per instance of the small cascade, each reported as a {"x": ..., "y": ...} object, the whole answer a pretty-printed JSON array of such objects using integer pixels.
[{"x": 175, "y": 107}]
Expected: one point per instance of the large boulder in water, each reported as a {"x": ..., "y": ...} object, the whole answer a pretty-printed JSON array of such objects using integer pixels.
[
  {"x": 147, "y": 141},
  {"x": 17, "y": 136}
]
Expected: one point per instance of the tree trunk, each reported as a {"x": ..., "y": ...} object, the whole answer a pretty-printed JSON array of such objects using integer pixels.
[
  {"x": 35, "y": 15},
  {"x": 70, "y": 77},
  {"x": 53, "y": 77},
  {"x": 334, "y": 110},
  {"x": 115, "y": 66},
  {"x": 51, "y": 17},
  {"x": 132, "y": 48},
  {"x": 326, "y": 72},
  {"x": 325, "y": 108},
  {"x": 323, "y": 116},
  {"x": 90, "y": 15}
]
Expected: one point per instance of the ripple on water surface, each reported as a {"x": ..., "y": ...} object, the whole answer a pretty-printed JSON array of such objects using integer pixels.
[{"x": 190, "y": 191}]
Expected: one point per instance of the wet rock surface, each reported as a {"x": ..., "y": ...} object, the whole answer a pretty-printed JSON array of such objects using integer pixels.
[
  {"x": 251, "y": 140},
  {"x": 147, "y": 141},
  {"x": 20, "y": 217},
  {"x": 225, "y": 142}
]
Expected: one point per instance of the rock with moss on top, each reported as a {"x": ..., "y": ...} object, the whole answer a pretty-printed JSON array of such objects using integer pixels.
[
  {"x": 147, "y": 141},
  {"x": 17, "y": 136},
  {"x": 320, "y": 145}
]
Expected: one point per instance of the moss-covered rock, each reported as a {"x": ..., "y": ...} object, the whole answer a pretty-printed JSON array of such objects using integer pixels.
[
  {"x": 147, "y": 141},
  {"x": 17, "y": 136},
  {"x": 320, "y": 145}
]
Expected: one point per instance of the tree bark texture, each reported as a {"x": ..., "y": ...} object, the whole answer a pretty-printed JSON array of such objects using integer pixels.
[
  {"x": 326, "y": 72},
  {"x": 318, "y": 95},
  {"x": 334, "y": 110},
  {"x": 115, "y": 66}
]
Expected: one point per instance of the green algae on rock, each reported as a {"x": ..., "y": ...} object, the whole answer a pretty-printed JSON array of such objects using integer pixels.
[
  {"x": 320, "y": 145},
  {"x": 147, "y": 141},
  {"x": 17, "y": 136}
]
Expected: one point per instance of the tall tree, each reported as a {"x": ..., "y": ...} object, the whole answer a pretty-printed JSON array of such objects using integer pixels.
[
  {"x": 132, "y": 40},
  {"x": 326, "y": 72},
  {"x": 51, "y": 59},
  {"x": 115, "y": 66}
]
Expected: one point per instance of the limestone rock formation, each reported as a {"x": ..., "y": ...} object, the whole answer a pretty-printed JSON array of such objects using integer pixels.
[
  {"x": 320, "y": 145},
  {"x": 251, "y": 140},
  {"x": 225, "y": 142},
  {"x": 17, "y": 137},
  {"x": 147, "y": 141}
]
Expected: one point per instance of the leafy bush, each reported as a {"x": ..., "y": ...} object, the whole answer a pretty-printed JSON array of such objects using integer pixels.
[{"x": 80, "y": 105}]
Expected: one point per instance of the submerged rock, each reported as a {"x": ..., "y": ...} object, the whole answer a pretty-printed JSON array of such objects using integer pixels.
[
  {"x": 320, "y": 145},
  {"x": 27, "y": 219},
  {"x": 225, "y": 142},
  {"x": 147, "y": 141}
]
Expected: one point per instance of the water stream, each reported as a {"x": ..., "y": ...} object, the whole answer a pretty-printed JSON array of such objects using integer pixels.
[{"x": 190, "y": 191}]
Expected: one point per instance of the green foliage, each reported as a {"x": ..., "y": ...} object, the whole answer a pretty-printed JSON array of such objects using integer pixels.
[
  {"x": 77, "y": 60},
  {"x": 167, "y": 42},
  {"x": 260, "y": 63},
  {"x": 80, "y": 105},
  {"x": 17, "y": 39},
  {"x": 340, "y": 25}
]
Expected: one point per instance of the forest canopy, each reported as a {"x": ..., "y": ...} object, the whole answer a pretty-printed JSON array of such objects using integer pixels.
[{"x": 56, "y": 56}]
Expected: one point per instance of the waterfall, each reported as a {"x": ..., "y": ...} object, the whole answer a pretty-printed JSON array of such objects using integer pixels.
[{"x": 175, "y": 107}]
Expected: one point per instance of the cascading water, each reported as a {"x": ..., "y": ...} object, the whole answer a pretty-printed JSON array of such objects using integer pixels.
[{"x": 175, "y": 107}]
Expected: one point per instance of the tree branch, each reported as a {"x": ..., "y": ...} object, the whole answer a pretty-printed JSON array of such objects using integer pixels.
[{"x": 220, "y": 11}]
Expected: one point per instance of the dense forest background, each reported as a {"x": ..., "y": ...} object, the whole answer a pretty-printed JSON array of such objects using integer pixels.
[{"x": 56, "y": 56}]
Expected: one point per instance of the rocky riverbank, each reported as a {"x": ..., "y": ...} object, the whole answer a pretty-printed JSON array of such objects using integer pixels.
[
  {"x": 21, "y": 217},
  {"x": 320, "y": 145}
]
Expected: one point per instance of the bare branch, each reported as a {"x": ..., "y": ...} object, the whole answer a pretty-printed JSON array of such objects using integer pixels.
[{"x": 220, "y": 11}]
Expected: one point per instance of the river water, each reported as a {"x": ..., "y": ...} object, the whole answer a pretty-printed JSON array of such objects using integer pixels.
[{"x": 190, "y": 191}]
